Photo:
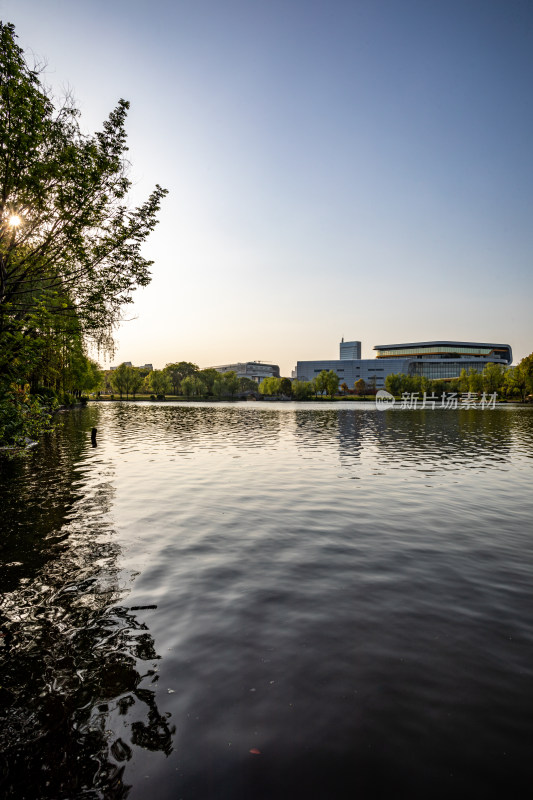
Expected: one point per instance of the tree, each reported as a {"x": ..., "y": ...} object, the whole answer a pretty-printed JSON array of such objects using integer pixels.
[
  {"x": 286, "y": 387},
  {"x": 464, "y": 381},
  {"x": 475, "y": 381},
  {"x": 344, "y": 387},
  {"x": 332, "y": 383},
  {"x": 439, "y": 387},
  {"x": 226, "y": 384},
  {"x": 126, "y": 380},
  {"x": 86, "y": 375},
  {"x": 424, "y": 384},
  {"x": 270, "y": 386},
  {"x": 121, "y": 378},
  {"x": 199, "y": 386},
  {"x": 525, "y": 370},
  {"x": 264, "y": 386},
  {"x": 219, "y": 387},
  {"x": 21, "y": 416},
  {"x": 158, "y": 382},
  {"x": 231, "y": 382},
  {"x": 178, "y": 371},
  {"x": 519, "y": 379},
  {"x": 321, "y": 382},
  {"x": 70, "y": 247},
  {"x": 360, "y": 387},
  {"x": 208, "y": 377},
  {"x": 302, "y": 390},
  {"x": 247, "y": 385},
  {"x": 493, "y": 377},
  {"x": 136, "y": 380},
  {"x": 192, "y": 385},
  {"x": 187, "y": 386}
]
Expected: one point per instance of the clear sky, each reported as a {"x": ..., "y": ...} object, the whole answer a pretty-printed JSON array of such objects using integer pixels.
[{"x": 336, "y": 168}]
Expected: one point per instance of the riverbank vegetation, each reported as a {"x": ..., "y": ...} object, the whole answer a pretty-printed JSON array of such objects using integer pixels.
[
  {"x": 70, "y": 244},
  {"x": 325, "y": 383},
  {"x": 509, "y": 383},
  {"x": 186, "y": 380},
  {"x": 180, "y": 379}
]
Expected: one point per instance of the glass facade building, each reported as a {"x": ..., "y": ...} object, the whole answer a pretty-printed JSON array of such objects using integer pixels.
[
  {"x": 445, "y": 349},
  {"x": 350, "y": 350},
  {"x": 440, "y": 360},
  {"x": 443, "y": 360}
]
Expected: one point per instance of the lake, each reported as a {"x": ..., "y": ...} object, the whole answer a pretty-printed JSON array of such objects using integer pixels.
[{"x": 269, "y": 600}]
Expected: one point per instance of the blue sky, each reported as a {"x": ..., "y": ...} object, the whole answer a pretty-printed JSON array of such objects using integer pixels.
[{"x": 359, "y": 169}]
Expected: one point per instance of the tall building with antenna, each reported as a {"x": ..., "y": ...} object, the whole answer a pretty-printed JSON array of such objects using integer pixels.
[{"x": 349, "y": 350}]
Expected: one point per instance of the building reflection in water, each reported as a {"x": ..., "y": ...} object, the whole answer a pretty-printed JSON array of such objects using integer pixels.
[
  {"x": 429, "y": 440},
  {"x": 441, "y": 439}
]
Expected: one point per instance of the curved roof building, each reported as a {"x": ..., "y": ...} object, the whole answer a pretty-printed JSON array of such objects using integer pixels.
[{"x": 445, "y": 358}]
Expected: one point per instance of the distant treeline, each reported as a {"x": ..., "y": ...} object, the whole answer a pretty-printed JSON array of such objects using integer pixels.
[
  {"x": 507, "y": 382},
  {"x": 181, "y": 379}
]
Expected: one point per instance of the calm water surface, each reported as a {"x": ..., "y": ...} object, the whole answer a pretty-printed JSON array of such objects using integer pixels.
[{"x": 269, "y": 601}]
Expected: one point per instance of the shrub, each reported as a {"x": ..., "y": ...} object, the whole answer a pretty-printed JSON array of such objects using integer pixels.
[
  {"x": 45, "y": 393},
  {"x": 21, "y": 416}
]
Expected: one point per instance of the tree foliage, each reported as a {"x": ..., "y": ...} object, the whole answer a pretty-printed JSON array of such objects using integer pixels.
[
  {"x": 226, "y": 384},
  {"x": 286, "y": 387},
  {"x": 327, "y": 382},
  {"x": 231, "y": 382},
  {"x": 270, "y": 386},
  {"x": 506, "y": 382},
  {"x": 193, "y": 386},
  {"x": 158, "y": 382},
  {"x": 520, "y": 378},
  {"x": 126, "y": 380},
  {"x": 22, "y": 417},
  {"x": 302, "y": 390},
  {"x": 360, "y": 387},
  {"x": 177, "y": 372},
  {"x": 71, "y": 263},
  {"x": 208, "y": 378},
  {"x": 493, "y": 375}
]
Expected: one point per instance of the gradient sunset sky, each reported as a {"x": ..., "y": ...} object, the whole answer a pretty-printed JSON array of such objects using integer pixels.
[{"x": 359, "y": 169}]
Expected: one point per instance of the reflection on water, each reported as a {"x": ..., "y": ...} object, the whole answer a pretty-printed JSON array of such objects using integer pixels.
[
  {"x": 430, "y": 439},
  {"x": 269, "y": 601},
  {"x": 71, "y": 655}
]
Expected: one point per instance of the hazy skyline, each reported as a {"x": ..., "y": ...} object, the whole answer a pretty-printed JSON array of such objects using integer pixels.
[{"x": 356, "y": 169}]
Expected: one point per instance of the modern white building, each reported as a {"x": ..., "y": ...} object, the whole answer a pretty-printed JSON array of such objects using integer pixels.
[
  {"x": 436, "y": 360},
  {"x": 255, "y": 370},
  {"x": 351, "y": 370}
]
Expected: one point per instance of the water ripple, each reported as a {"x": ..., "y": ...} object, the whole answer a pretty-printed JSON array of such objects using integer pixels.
[{"x": 344, "y": 590}]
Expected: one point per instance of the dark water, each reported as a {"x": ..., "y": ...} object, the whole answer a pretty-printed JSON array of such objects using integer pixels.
[{"x": 346, "y": 591}]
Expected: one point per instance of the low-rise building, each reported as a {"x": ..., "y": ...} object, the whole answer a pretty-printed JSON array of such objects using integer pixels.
[{"x": 255, "y": 370}]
